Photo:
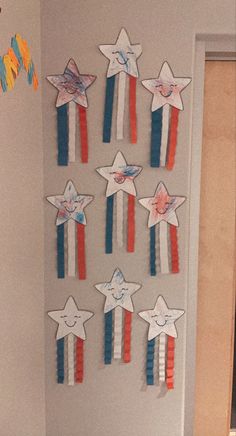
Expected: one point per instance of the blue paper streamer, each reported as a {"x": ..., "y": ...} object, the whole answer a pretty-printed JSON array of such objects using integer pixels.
[
  {"x": 110, "y": 87},
  {"x": 108, "y": 338},
  {"x": 156, "y": 137},
  {"x": 60, "y": 360},
  {"x": 150, "y": 362},
  {"x": 153, "y": 251},
  {"x": 3, "y": 75},
  {"x": 109, "y": 224},
  {"x": 62, "y": 135},
  {"x": 15, "y": 47},
  {"x": 60, "y": 252}
]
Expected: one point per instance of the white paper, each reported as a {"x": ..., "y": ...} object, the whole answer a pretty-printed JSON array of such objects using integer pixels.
[
  {"x": 121, "y": 105},
  {"x": 72, "y": 121},
  {"x": 164, "y": 257},
  {"x": 162, "y": 357},
  {"x": 118, "y": 332},
  {"x": 119, "y": 217},
  {"x": 71, "y": 248},
  {"x": 71, "y": 360},
  {"x": 164, "y": 134}
]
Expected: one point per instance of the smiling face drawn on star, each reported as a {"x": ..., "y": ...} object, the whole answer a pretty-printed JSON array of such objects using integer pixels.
[
  {"x": 161, "y": 319},
  {"x": 73, "y": 83},
  {"x": 118, "y": 292},
  {"x": 124, "y": 173},
  {"x": 162, "y": 203},
  {"x": 70, "y": 320},
  {"x": 166, "y": 89},
  {"x": 123, "y": 56}
]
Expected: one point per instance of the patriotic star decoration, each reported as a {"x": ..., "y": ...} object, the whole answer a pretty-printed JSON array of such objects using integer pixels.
[
  {"x": 70, "y": 320},
  {"x": 166, "y": 88},
  {"x": 70, "y": 205},
  {"x": 162, "y": 206},
  {"x": 122, "y": 55},
  {"x": 71, "y": 85},
  {"x": 161, "y": 319},
  {"x": 118, "y": 292},
  {"x": 120, "y": 176}
]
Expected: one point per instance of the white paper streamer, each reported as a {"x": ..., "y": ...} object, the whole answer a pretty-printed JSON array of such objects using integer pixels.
[
  {"x": 164, "y": 134},
  {"x": 162, "y": 357},
  {"x": 121, "y": 105},
  {"x": 118, "y": 333},
  {"x": 72, "y": 124},
  {"x": 164, "y": 247},
  {"x": 71, "y": 360},
  {"x": 119, "y": 217},
  {"x": 71, "y": 247}
]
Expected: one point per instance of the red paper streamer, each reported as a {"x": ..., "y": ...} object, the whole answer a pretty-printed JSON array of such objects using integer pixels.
[
  {"x": 132, "y": 109},
  {"x": 79, "y": 370},
  {"x": 83, "y": 133},
  {"x": 81, "y": 251},
  {"x": 131, "y": 223},
  {"x": 172, "y": 138},
  {"x": 174, "y": 249},
  {"x": 170, "y": 362},
  {"x": 127, "y": 336}
]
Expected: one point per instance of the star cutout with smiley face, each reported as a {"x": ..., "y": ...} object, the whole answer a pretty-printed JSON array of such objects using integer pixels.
[
  {"x": 120, "y": 176},
  {"x": 71, "y": 85},
  {"x": 122, "y": 55},
  {"x": 70, "y": 205},
  {"x": 70, "y": 320},
  {"x": 166, "y": 88},
  {"x": 118, "y": 292},
  {"x": 161, "y": 319},
  {"x": 162, "y": 206}
]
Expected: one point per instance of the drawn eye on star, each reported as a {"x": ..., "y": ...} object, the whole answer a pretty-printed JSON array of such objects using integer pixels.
[
  {"x": 123, "y": 56},
  {"x": 121, "y": 176},
  {"x": 70, "y": 205},
  {"x": 166, "y": 89},
  {"x": 162, "y": 205},
  {"x": 70, "y": 320},
  {"x": 161, "y": 319}
]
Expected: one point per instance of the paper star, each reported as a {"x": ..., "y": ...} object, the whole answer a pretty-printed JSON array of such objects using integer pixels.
[
  {"x": 122, "y": 55},
  {"x": 162, "y": 206},
  {"x": 120, "y": 176},
  {"x": 70, "y": 205},
  {"x": 166, "y": 88},
  {"x": 118, "y": 292},
  {"x": 161, "y": 319},
  {"x": 71, "y": 85},
  {"x": 70, "y": 320}
]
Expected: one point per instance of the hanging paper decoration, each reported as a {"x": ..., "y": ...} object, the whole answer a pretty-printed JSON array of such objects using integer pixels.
[
  {"x": 70, "y": 336},
  {"x": 71, "y": 207},
  {"x": 71, "y": 97},
  {"x": 17, "y": 58},
  {"x": 120, "y": 177},
  {"x": 166, "y": 104},
  {"x": 123, "y": 61},
  {"x": 162, "y": 211},
  {"x": 118, "y": 306},
  {"x": 162, "y": 329}
]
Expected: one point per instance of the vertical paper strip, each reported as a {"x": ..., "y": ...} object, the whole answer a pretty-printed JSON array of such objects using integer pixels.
[
  {"x": 108, "y": 338},
  {"x": 153, "y": 251},
  {"x": 110, "y": 86},
  {"x": 164, "y": 134},
  {"x": 79, "y": 372},
  {"x": 60, "y": 252},
  {"x": 62, "y": 135},
  {"x": 170, "y": 362},
  {"x": 71, "y": 359},
  {"x": 121, "y": 105},
  {"x": 164, "y": 247},
  {"x": 118, "y": 318},
  {"x": 81, "y": 251},
  {"x": 83, "y": 133},
  {"x": 60, "y": 360},
  {"x": 71, "y": 247},
  {"x": 119, "y": 217},
  {"x": 71, "y": 131},
  {"x": 156, "y": 137},
  {"x": 131, "y": 224},
  {"x": 127, "y": 336},
  {"x": 172, "y": 138},
  {"x": 132, "y": 109},
  {"x": 174, "y": 249},
  {"x": 109, "y": 224},
  {"x": 150, "y": 362},
  {"x": 162, "y": 357}
]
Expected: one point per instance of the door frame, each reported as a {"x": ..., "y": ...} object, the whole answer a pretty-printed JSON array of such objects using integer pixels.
[{"x": 206, "y": 47}]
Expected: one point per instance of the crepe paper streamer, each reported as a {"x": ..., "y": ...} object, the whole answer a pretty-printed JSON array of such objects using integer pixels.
[
  {"x": 166, "y": 90},
  {"x": 71, "y": 207},
  {"x": 72, "y": 86},
  {"x": 17, "y": 58},
  {"x": 118, "y": 306},
  {"x": 109, "y": 224},
  {"x": 119, "y": 217},
  {"x": 161, "y": 320},
  {"x": 123, "y": 61},
  {"x": 162, "y": 218},
  {"x": 131, "y": 224},
  {"x": 70, "y": 322}
]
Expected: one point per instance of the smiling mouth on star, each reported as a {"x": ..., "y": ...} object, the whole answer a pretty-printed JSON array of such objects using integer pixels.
[
  {"x": 118, "y": 298},
  {"x": 167, "y": 94},
  {"x": 122, "y": 63},
  {"x": 70, "y": 211},
  {"x": 68, "y": 325},
  {"x": 160, "y": 324}
]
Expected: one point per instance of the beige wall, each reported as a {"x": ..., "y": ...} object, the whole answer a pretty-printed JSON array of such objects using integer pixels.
[{"x": 21, "y": 254}]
